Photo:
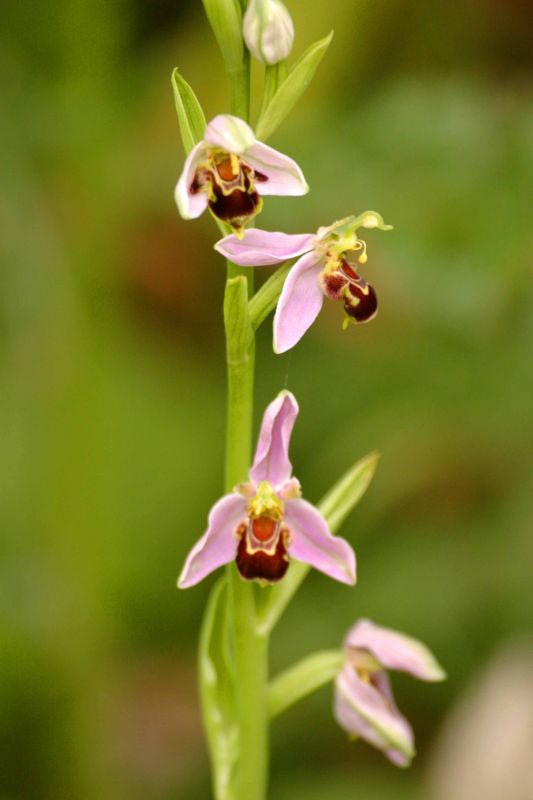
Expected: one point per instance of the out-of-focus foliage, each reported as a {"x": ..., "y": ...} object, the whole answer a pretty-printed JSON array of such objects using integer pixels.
[{"x": 112, "y": 401}]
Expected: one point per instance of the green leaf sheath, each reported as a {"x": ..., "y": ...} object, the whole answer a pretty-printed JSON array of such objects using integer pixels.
[
  {"x": 217, "y": 687},
  {"x": 225, "y": 18},
  {"x": 303, "y": 679},
  {"x": 346, "y": 493},
  {"x": 292, "y": 88},
  {"x": 240, "y": 365},
  {"x": 335, "y": 507},
  {"x": 190, "y": 115},
  {"x": 250, "y": 648}
]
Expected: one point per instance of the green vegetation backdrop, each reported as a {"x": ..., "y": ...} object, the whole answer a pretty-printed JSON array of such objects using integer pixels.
[{"x": 112, "y": 400}]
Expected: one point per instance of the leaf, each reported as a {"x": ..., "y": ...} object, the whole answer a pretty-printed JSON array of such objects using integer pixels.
[
  {"x": 217, "y": 692},
  {"x": 292, "y": 88},
  {"x": 302, "y": 679},
  {"x": 190, "y": 115},
  {"x": 347, "y": 492},
  {"x": 265, "y": 299},
  {"x": 225, "y": 18}
]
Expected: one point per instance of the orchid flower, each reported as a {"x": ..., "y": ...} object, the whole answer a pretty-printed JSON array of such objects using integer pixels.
[
  {"x": 322, "y": 269},
  {"x": 364, "y": 703},
  {"x": 265, "y": 521},
  {"x": 229, "y": 171}
]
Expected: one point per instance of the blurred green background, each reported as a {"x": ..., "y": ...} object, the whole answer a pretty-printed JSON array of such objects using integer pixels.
[{"x": 112, "y": 400}]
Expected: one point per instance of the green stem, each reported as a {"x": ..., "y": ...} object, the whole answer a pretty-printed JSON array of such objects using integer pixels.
[
  {"x": 249, "y": 644},
  {"x": 302, "y": 679},
  {"x": 250, "y": 653}
]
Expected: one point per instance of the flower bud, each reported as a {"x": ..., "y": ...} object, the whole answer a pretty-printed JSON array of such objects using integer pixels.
[{"x": 268, "y": 30}]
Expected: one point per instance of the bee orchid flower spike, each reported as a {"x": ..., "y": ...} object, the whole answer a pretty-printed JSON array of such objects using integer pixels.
[
  {"x": 265, "y": 522},
  {"x": 229, "y": 171}
]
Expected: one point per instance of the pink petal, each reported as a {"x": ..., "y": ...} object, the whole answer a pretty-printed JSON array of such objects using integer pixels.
[
  {"x": 218, "y": 545},
  {"x": 259, "y": 248},
  {"x": 191, "y": 205},
  {"x": 284, "y": 175},
  {"x": 229, "y": 133},
  {"x": 397, "y": 758},
  {"x": 362, "y": 709},
  {"x": 299, "y": 304},
  {"x": 395, "y": 650},
  {"x": 271, "y": 461},
  {"x": 313, "y": 543}
]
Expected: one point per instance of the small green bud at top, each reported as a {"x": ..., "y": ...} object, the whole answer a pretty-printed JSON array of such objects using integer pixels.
[{"x": 268, "y": 30}]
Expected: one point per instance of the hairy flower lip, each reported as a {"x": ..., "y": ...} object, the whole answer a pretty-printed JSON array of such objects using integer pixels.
[
  {"x": 264, "y": 530},
  {"x": 271, "y": 492},
  {"x": 257, "y": 169}
]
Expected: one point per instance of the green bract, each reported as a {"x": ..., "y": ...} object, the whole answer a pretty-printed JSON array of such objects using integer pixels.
[
  {"x": 292, "y": 88},
  {"x": 225, "y": 18},
  {"x": 347, "y": 492},
  {"x": 302, "y": 679},
  {"x": 190, "y": 115}
]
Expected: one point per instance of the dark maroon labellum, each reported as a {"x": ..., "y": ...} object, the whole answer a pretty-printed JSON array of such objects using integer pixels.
[
  {"x": 364, "y": 305},
  {"x": 262, "y": 553},
  {"x": 233, "y": 197},
  {"x": 234, "y": 207}
]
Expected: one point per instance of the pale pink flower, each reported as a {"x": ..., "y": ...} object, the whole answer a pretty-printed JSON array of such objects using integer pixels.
[
  {"x": 265, "y": 522},
  {"x": 322, "y": 269},
  {"x": 364, "y": 703},
  {"x": 229, "y": 171}
]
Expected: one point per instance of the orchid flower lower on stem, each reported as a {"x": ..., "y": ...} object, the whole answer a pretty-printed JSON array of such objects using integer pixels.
[
  {"x": 229, "y": 171},
  {"x": 265, "y": 521},
  {"x": 322, "y": 270},
  {"x": 364, "y": 703}
]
